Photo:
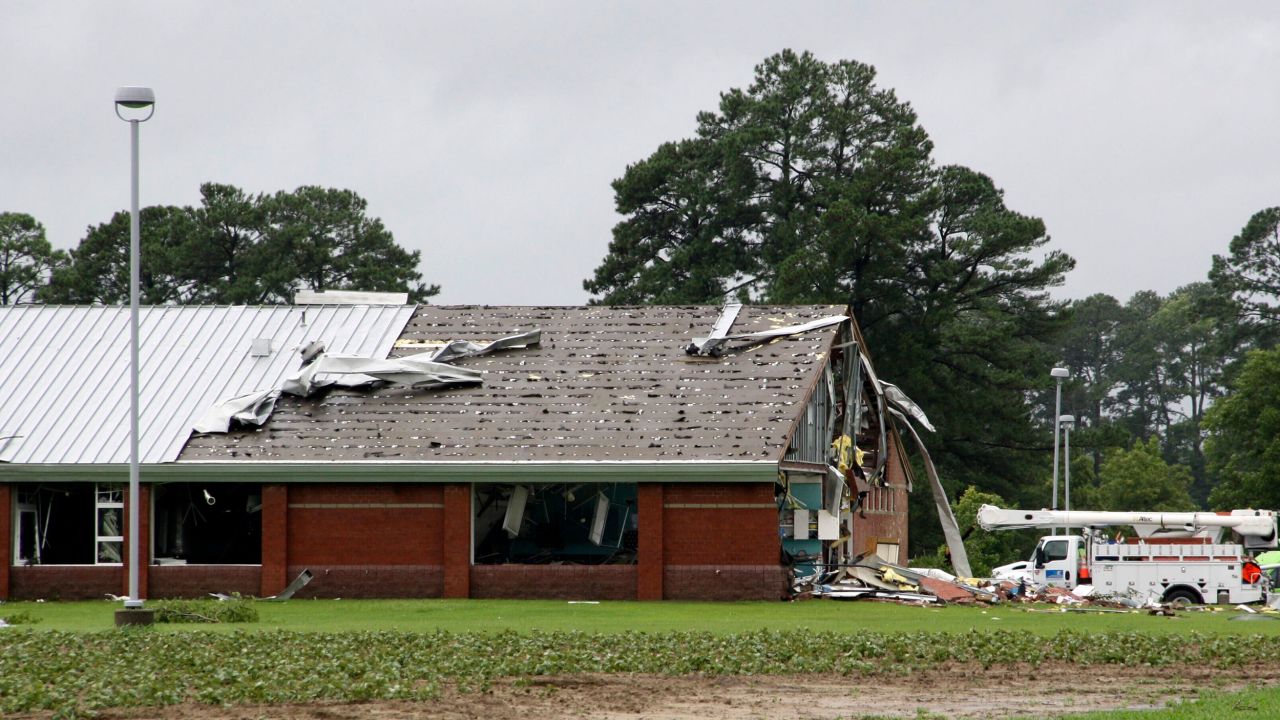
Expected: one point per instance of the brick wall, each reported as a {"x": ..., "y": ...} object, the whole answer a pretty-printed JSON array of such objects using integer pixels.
[
  {"x": 275, "y": 535},
  {"x": 883, "y": 518},
  {"x": 725, "y": 582},
  {"x": 365, "y": 525},
  {"x": 363, "y": 541},
  {"x": 371, "y": 581},
  {"x": 554, "y": 582},
  {"x": 144, "y": 542},
  {"x": 720, "y": 524},
  {"x": 65, "y": 582},
  {"x": 197, "y": 581},
  {"x": 649, "y": 550},
  {"x": 720, "y": 542},
  {"x": 456, "y": 540}
]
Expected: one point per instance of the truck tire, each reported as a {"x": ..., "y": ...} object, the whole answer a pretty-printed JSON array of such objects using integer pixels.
[{"x": 1185, "y": 594}]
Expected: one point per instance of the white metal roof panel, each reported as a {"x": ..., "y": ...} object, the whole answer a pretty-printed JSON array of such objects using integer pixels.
[{"x": 64, "y": 371}]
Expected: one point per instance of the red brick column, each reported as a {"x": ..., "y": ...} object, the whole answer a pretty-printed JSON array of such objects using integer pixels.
[
  {"x": 144, "y": 541},
  {"x": 275, "y": 539},
  {"x": 6, "y": 536},
  {"x": 457, "y": 540},
  {"x": 649, "y": 555}
]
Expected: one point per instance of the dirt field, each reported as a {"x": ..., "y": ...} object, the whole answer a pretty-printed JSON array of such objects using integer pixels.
[{"x": 959, "y": 692}]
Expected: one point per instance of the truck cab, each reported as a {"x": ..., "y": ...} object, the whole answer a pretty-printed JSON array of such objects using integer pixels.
[{"x": 1057, "y": 561}]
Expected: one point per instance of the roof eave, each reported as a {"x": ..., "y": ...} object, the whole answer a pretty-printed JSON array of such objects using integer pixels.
[{"x": 694, "y": 471}]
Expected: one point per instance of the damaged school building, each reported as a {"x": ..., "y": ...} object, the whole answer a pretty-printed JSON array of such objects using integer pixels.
[{"x": 424, "y": 451}]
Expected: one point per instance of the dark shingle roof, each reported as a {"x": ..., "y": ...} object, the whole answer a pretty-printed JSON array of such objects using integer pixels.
[{"x": 606, "y": 383}]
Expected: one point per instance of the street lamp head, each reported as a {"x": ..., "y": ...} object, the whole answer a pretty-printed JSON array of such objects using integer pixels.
[
  {"x": 135, "y": 98},
  {"x": 1068, "y": 420},
  {"x": 1060, "y": 372}
]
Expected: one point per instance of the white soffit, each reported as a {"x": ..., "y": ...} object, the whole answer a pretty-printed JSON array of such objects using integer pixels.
[{"x": 64, "y": 371}]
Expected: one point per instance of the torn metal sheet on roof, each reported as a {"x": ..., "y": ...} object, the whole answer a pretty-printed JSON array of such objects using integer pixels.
[
  {"x": 899, "y": 399},
  {"x": 249, "y": 409},
  {"x": 710, "y": 345},
  {"x": 416, "y": 371},
  {"x": 714, "y": 346},
  {"x": 424, "y": 371},
  {"x": 459, "y": 349}
]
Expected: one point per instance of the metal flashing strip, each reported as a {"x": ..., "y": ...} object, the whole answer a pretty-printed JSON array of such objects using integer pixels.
[
  {"x": 366, "y": 506},
  {"x": 529, "y": 472}
]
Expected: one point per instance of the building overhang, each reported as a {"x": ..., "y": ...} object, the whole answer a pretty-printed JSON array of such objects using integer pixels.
[{"x": 710, "y": 471}]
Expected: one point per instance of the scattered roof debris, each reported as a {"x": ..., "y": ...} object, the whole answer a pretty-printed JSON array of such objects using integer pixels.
[
  {"x": 714, "y": 345},
  {"x": 423, "y": 371},
  {"x": 872, "y": 578}
]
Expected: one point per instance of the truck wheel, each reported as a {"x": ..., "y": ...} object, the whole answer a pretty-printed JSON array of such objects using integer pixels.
[{"x": 1186, "y": 595}]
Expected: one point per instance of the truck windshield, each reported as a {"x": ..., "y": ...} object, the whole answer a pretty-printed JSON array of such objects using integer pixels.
[{"x": 1055, "y": 550}]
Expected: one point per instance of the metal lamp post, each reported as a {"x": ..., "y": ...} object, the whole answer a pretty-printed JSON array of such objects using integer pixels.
[
  {"x": 1059, "y": 374},
  {"x": 138, "y": 100},
  {"x": 1067, "y": 422}
]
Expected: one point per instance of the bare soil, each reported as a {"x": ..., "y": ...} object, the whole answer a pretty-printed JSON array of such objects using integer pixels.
[{"x": 960, "y": 691}]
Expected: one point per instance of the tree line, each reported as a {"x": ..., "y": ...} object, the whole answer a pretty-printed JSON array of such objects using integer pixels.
[
  {"x": 816, "y": 185},
  {"x": 233, "y": 248}
]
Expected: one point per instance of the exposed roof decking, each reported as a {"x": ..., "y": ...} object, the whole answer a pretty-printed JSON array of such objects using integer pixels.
[
  {"x": 606, "y": 384},
  {"x": 64, "y": 371}
]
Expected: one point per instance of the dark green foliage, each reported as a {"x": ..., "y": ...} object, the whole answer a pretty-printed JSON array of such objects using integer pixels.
[
  {"x": 242, "y": 249},
  {"x": 814, "y": 185},
  {"x": 234, "y": 610},
  {"x": 1252, "y": 270},
  {"x": 1243, "y": 447},
  {"x": 1147, "y": 371},
  {"x": 79, "y": 673},
  {"x": 26, "y": 258},
  {"x": 1140, "y": 479}
]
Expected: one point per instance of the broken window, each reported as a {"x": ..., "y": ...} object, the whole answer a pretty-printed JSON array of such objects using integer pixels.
[
  {"x": 109, "y": 510},
  {"x": 210, "y": 523},
  {"x": 68, "y": 524},
  {"x": 571, "y": 523}
]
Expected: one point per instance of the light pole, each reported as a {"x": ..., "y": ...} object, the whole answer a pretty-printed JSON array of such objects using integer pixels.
[
  {"x": 1067, "y": 422},
  {"x": 133, "y": 101},
  {"x": 1059, "y": 374}
]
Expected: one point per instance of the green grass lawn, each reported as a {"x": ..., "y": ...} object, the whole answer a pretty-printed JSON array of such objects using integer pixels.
[{"x": 614, "y": 617}]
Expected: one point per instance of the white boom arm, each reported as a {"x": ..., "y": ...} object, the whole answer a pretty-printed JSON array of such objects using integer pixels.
[{"x": 1248, "y": 523}]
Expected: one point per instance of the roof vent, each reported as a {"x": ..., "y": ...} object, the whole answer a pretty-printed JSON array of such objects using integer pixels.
[{"x": 260, "y": 347}]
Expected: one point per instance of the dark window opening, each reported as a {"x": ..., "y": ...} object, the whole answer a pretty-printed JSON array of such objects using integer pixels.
[
  {"x": 572, "y": 523},
  {"x": 212, "y": 523},
  {"x": 60, "y": 525}
]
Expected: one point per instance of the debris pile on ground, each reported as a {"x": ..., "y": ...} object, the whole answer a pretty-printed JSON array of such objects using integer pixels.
[{"x": 873, "y": 578}]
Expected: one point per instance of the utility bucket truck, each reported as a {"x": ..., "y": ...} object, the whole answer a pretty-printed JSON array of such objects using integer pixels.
[{"x": 1198, "y": 557}]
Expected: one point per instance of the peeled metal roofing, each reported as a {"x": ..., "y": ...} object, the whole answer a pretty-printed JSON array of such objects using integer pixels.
[
  {"x": 64, "y": 371},
  {"x": 605, "y": 384}
]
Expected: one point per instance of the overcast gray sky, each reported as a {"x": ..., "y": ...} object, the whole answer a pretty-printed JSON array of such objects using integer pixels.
[{"x": 485, "y": 134}]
